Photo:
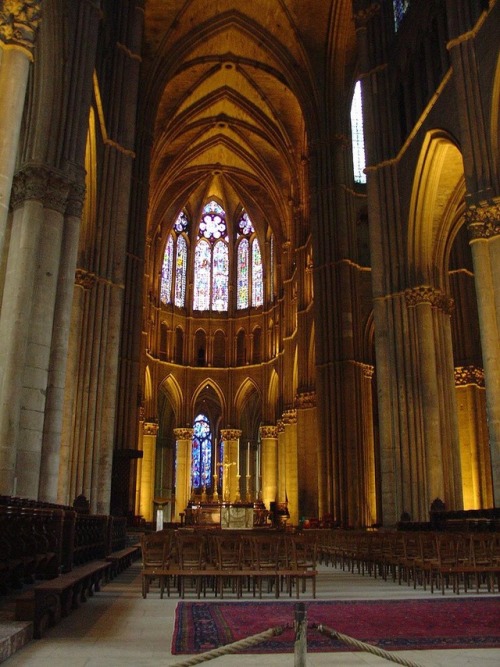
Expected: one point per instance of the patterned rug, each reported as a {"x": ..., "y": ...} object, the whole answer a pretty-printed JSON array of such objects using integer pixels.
[{"x": 389, "y": 624}]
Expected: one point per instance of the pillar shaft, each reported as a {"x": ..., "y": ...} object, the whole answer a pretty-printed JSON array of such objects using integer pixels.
[
  {"x": 269, "y": 464},
  {"x": 184, "y": 438}
]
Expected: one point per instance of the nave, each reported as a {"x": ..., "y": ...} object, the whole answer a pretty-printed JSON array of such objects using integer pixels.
[{"x": 118, "y": 628}]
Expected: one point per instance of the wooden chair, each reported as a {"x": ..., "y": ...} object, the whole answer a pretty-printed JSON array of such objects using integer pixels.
[
  {"x": 191, "y": 560},
  {"x": 156, "y": 555}
]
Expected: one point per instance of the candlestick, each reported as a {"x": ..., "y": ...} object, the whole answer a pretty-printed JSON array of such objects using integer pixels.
[
  {"x": 238, "y": 457},
  {"x": 248, "y": 458}
]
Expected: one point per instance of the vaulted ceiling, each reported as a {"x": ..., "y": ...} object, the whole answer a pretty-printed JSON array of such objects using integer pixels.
[{"x": 231, "y": 96}]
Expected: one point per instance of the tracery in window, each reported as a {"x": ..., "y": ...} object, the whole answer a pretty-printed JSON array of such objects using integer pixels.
[
  {"x": 358, "y": 141},
  {"x": 201, "y": 459},
  {"x": 211, "y": 261},
  {"x": 400, "y": 8},
  {"x": 173, "y": 280},
  {"x": 250, "y": 287}
]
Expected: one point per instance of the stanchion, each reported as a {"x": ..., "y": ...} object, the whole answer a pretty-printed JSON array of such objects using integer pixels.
[{"x": 300, "y": 635}]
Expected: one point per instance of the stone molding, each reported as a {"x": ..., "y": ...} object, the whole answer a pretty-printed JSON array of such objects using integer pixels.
[
  {"x": 267, "y": 432},
  {"x": 76, "y": 200},
  {"x": 85, "y": 279},
  {"x": 230, "y": 433},
  {"x": 185, "y": 433},
  {"x": 19, "y": 21},
  {"x": 280, "y": 426},
  {"x": 425, "y": 294},
  {"x": 466, "y": 375},
  {"x": 483, "y": 222}
]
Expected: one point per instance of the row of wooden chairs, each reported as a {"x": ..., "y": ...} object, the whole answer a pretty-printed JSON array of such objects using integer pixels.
[
  {"x": 435, "y": 559},
  {"x": 221, "y": 560}
]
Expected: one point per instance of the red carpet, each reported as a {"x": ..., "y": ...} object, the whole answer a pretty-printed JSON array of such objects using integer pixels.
[{"x": 390, "y": 624}]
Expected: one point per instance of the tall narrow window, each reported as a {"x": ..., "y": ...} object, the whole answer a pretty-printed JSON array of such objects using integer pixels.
[
  {"x": 180, "y": 272},
  {"x": 173, "y": 275},
  {"x": 211, "y": 261},
  {"x": 201, "y": 460},
  {"x": 166, "y": 272},
  {"x": 242, "y": 273},
  {"x": 400, "y": 8},
  {"x": 257, "y": 277},
  {"x": 271, "y": 267},
  {"x": 358, "y": 141}
]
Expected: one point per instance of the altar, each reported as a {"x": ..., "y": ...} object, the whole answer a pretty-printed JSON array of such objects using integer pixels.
[{"x": 234, "y": 516}]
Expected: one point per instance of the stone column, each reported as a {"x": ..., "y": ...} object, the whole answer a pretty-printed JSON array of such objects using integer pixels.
[
  {"x": 52, "y": 443},
  {"x": 291, "y": 464},
  {"x": 15, "y": 315},
  {"x": 307, "y": 454},
  {"x": 19, "y": 23},
  {"x": 231, "y": 465},
  {"x": 368, "y": 513},
  {"x": 269, "y": 464},
  {"x": 474, "y": 446},
  {"x": 184, "y": 438},
  {"x": 436, "y": 396},
  {"x": 281, "y": 496},
  {"x": 484, "y": 228},
  {"x": 147, "y": 482}
]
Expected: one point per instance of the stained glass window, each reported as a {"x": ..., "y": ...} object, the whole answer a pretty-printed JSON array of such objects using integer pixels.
[
  {"x": 201, "y": 459},
  {"x": 400, "y": 9},
  {"x": 202, "y": 273},
  {"x": 271, "y": 267},
  {"x": 257, "y": 285},
  {"x": 180, "y": 272},
  {"x": 358, "y": 141},
  {"x": 245, "y": 225},
  {"x": 220, "y": 276},
  {"x": 242, "y": 274},
  {"x": 166, "y": 272}
]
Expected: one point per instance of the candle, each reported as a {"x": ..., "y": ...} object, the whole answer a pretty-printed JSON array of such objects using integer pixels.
[
  {"x": 248, "y": 459},
  {"x": 238, "y": 457}
]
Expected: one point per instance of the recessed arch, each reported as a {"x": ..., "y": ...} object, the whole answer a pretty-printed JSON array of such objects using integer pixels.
[{"x": 438, "y": 190}]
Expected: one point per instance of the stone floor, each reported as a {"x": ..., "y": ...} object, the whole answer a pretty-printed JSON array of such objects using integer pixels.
[{"x": 118, "y": 628}]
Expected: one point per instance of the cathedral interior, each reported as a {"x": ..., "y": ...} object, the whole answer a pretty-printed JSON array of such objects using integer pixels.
[{"x": 247, "y": 255}]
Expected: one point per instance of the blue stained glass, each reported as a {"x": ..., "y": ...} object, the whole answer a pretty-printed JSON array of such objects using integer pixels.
[
  {"x": 180, "y": 272},
  {"x": 202, "y": 271},
  {"x": 201, "y": 460},
  {"x": 400, "y": 9},
  {"x": 220, "y": 277},
  {"x": 181, "y": 224},
  {"x": 242, "y": 275},
  {"x": 257, "y": 277},
  {"x": 245, "y": 225},
  {"x": 166, "y": 272}
]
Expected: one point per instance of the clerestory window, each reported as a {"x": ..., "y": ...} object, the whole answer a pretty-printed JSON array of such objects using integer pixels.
[{"x": 357, "y": 136}]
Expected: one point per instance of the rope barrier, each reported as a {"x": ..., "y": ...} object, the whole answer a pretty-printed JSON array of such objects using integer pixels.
[
  {"x": 231, "y": 648},
  {"x": 364, "y": 647}
]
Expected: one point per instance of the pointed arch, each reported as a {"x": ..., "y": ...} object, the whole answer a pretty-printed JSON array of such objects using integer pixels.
[
  {"x": 172, "y": 389},
  {"x": 247, "y": 387},
  {"x": 438, "y": 193},
  {"x": 273, "y": 398}
]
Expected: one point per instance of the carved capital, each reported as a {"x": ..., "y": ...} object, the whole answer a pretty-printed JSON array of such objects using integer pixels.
[
  {"x": 150, "y": 428},
  {"x": 466, "y": 375},
  {"x": 76, "y": 199},
  {"x": 267, "y": 432},
  {"x": 425, "y": 294},
  {"x": 280, "y": 426},
  {"x": 230, "y": 434},
  {"x": 289, "y": 417},
  {"x": 368, "y": 370},
  {"x": 483, "y": 222},
  {"x": 363, "y": 16},
  {"x": 183, "y": 433},
  {"x": 85, "y": 279},
  {"x": 305, "y": 399},
  {"x": 19, "y": 21},
  {"x": 40, "y": 183}
]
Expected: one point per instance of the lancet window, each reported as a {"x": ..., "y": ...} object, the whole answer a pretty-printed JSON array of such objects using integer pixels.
[
  {"x": 250, "y": 289},
  {"x": 201, "y": 459},
  {"x": 400, "y": 8},
  {"x": 357, "y": 136},
  {"x": 173, "y": 275}
]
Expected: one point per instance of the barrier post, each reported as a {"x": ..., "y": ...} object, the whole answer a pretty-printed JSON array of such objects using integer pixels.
[{"x": 300, "y": 651}]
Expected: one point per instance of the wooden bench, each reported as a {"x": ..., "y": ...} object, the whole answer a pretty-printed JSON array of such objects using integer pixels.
[
  {"x": 48, "y": 601},
  {"x": 122, "y": 559}
]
